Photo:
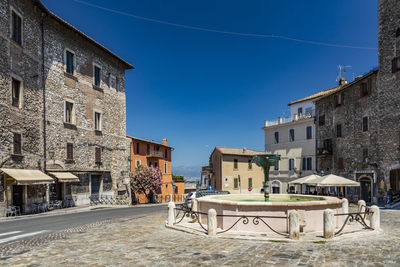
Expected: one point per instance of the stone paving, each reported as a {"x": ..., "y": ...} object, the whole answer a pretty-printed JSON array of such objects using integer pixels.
[{"x": 145, "y": 241}]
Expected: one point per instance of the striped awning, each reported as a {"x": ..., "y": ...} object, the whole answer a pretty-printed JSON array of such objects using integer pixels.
[
  {"x": 28, "y": 177},
  {"x": 65, "y": 177}
]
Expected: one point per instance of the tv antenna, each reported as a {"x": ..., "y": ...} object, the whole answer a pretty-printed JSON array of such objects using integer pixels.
[{"x": 342, "y": 71}]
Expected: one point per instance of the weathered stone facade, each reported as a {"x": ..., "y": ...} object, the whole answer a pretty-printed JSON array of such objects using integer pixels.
[
  {"x": 344, "y": 147},
  {"x": 45, "y": 91},
  {"x": 389, "y": 93}
]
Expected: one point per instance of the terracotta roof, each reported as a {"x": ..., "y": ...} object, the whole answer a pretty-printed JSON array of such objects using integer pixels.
[
  {"x": 148, "y": 141},
  {"x": 239, "y": 151},
  {"x": 360, "y": 78},
  {"x": 316, "y": 95},
  {"x": 94, "y": 42}
]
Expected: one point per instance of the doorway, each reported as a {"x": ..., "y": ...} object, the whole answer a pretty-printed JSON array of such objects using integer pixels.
[
  {"x": 95, "y": 185},
  {"x": 276, "y": 187},
  {"x": 365, "y": 189},
  {"x": 395, "y": 180},
  {"x": 17, "y": 196}
]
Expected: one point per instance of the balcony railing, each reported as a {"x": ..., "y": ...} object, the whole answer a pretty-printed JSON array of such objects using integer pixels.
[
  {"x": 295, "y": 117},
  {"x": 156, "y": 154}
]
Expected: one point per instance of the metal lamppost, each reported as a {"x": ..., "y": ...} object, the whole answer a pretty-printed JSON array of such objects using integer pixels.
[{"x": 266, "y": 161}]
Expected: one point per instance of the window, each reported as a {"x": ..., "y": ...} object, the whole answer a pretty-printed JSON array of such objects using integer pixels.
[
  {"x": 395, "y": 64},
  {"x": 276, "y": 134},
  {"x": 137, "y": 148},
  {"x": 309, "y": 132},
  {"x": 155, "y": 164},
  {"x": 291, "y": 135},
  {"x": 165, "y": 167},
  {"x": 235, "y": 183},
  {"x": 148, "y": 149},
  {"x": 16, "y": 28},
  {"x": 307, "y": 164},
  {"x": 17, "y": 144},
  {"x": 340, "y": 164},
  {"x": 69, "y": 62},
  {"x": 16, "y": 93},
  {"x": 250, "y": 182},
  {"x": 149, "y": 163},
  {"x": 70, "y": 151},
  {"x": 235, "y": 164},
  {"x": 291, "y": 164},
  {"x": 97, "y": 155},
  {"x": 338, "y": 130},
  {"x": 364, "y": 90},
  {"x": 138, "y": 163},
  {"x": 97, "y": 75},
  {"x": 300, "y": 111},
  {"x": 166, "y": 153},
  {"x": 398, "y": 32},
  {"x": 276, "y": 167},
  {"x": 338, "y": 99},
  {"x": 309, "y": 111},
  {"x": 97, "y": 121},
  {"x": 69, "y": 112},
  {"x": 321, "y": 120},
  {"x": 250, "y": 164},
  {"x": 365, "y": 124},
  {"x": 365, "y": 154},
  {"x": 113, "y": 82}
]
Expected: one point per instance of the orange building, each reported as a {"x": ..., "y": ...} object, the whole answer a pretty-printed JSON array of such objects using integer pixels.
[{"x": 150, "y": 153}]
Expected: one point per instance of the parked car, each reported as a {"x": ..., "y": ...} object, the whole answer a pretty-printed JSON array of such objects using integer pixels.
[{"x": 189, "y": 199}]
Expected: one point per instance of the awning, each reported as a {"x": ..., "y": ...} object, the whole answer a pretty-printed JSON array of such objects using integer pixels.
[
  {"x": 28, "y": 177},
  {"x": 333, "y": 180},
  {"x": 65, "y": 177},
  {"x": 306, "y": 179}
]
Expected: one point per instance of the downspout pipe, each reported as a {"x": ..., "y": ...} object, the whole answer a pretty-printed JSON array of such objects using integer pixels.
[{"x": 43, "y": 15}]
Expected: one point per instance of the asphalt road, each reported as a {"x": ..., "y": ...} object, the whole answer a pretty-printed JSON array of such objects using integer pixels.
[{"x": 27, "y": 228}]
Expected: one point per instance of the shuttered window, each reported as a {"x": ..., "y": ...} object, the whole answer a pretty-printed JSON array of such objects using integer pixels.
[
  {"x": 309, "y": 132},
  {"x": 16, "y": 93},
  {"x": 291, "y": 135},
  {"x": 321, "y": 120},
  {"x": 235, "y": 163},
  {"x": 137, "y": 148},
  {"x": 250, "y": 182},
  {"x": 276, "y": 135},
  {"x": 70, "y": 151},
  {"x": 365, "y": 124},
  {"x": 97, "y": 73},
  {"x": 338, "y": 130},
  {"x": 97, "y": 154},
  {"x": 166, "y": 153},
  {"x": 235, "y": 183},
  {"x": 69, "y": 112},
  {"x": 365, "y": 154},
  {"x": 69, "y": 62},
  {"x": 17, "y": 144},
  {"x": 291, "y": 164},
  {"x": 97, "y": 121},
  {"x": 148, "y": 149},
  {"x": 16, "y": 28}
]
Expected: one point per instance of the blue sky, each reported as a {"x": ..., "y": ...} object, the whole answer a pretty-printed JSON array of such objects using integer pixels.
[{"x": 202, "y": 89}]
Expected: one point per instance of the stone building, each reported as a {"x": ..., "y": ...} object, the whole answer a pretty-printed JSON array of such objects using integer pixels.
[
  {"x": 347, "y": 134},
  {"x": 232, "y": 170},
  {"x": 388, "y": 83},
  {"x": 62, "y": 108}
]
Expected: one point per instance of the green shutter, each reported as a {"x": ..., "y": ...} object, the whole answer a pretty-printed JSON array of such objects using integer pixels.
[
  {"x": 250, "y": 182},
  {"x": 235, "y": 183}
]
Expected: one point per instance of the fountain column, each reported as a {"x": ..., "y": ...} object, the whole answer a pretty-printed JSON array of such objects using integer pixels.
[{"x": 266, "y": 161}]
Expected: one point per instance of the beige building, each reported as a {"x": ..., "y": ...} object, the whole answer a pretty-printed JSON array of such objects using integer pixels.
[
  {"x": 233, "y": 171},
  {"x": 294, "y": 139}
]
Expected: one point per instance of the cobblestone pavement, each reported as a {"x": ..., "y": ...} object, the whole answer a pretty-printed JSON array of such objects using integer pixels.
[{"x": 145, "y": 241}]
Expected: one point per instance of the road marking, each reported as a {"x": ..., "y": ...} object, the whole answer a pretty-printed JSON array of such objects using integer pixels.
[
  {"x": 10, "y": 233},
  {"x": 21, "y": 236}
]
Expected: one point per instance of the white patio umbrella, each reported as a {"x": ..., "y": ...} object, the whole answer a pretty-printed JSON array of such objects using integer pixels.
[
  {"x": 306, "y": 179},
  {"x": 332, "y": 180}
]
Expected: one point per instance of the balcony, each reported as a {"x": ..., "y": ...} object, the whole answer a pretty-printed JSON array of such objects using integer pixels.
[
  {"x": 156, "y": 154},
  {"x": 295, "y": 117}
]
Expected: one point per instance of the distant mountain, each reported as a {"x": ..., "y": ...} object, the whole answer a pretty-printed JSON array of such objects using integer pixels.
[{"x": 191, "y": 172}]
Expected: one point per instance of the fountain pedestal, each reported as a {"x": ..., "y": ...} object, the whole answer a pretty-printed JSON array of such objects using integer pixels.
[{"x": 266, "y": 161}]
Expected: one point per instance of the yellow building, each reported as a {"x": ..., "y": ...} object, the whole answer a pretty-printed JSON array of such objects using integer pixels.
[{"x": 233, "y": 171}]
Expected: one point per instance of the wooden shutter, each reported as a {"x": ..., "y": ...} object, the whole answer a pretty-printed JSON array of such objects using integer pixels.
[
  {"x": 17, "y": 144},
  {"x": 70, "y": 151},
  {"x": 98, "y": 154}
]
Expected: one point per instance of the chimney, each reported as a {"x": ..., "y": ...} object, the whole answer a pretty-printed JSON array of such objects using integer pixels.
[
  {"x": 165, "y": 142},
  {"x": 342, "y": 81}
]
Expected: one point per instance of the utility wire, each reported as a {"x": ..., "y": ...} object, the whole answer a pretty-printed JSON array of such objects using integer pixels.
[{"x": 225, "y": 32}]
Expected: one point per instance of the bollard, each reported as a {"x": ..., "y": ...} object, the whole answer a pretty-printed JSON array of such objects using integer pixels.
[
  {"x": 329, "y": 224},
  {"x": 294, "y": 225},
  {"x": 361, "y": 205},
  {"x": 345, "y": 205},
  {"x": 171, "y": 213},
  {"x": 375, "y": 218},
  {"x": 212, "y": 222}
]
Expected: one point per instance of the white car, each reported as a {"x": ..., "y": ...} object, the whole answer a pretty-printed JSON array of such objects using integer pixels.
[{"x": 189, "y": 198}]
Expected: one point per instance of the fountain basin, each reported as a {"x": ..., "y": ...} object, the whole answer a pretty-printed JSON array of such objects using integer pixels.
[{"x": 309, "y": 208}]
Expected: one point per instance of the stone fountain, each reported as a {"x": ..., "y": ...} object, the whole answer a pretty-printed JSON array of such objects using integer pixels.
[{"x": 266, "y": 161}]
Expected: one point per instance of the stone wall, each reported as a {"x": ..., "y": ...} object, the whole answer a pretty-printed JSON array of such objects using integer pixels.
[{"x": 389, "y": 88}]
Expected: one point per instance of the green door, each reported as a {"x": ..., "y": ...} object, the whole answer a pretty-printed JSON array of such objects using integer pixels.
[{"x": 365, "y": 189}]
